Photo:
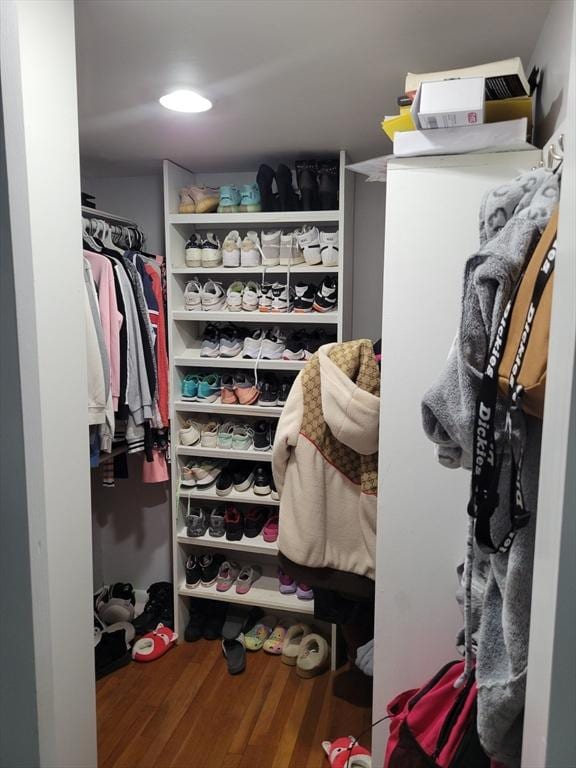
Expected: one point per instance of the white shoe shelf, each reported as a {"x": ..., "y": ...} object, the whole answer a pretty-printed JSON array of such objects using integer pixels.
[{"x": 185, "y": 331}]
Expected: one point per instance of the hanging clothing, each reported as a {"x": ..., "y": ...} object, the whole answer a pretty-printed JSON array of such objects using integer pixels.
[
  {"x": 325, "y": 460},
  {"x": 161, "y": 346},
  {"x": 512, "y": 219}
]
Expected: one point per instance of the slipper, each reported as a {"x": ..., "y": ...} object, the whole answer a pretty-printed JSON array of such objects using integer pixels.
[
  {"x": 235, "y": 654},
  {"x": 341, "y": 753},
  {"x": 236, "y": 618},
  {"x": 313, "y": 657},
  {"x": 291, "y": 647},
  {"x": 259, "y": 633},
  {"x": 275, "y": 642},
  {"x": 154, "y": 644}
]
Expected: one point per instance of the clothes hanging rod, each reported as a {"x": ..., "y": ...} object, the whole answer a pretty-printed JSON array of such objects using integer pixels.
[{"x": 94, "y": 213}]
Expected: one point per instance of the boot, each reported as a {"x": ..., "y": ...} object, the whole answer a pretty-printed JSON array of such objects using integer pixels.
[
  {"x": 328, "y": 174},
  {"x": 306, "y": 176},
  {"x": 158, "y": 608},
  {"x": 265, "y": 178},
  {"x": 289, "y": 200}
]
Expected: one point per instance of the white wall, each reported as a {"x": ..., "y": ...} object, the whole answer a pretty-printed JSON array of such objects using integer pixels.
[
  {"x": 38, "y": 69},
  {"x": 138, "y": 198},
  {"x": 552, "y": 55}
]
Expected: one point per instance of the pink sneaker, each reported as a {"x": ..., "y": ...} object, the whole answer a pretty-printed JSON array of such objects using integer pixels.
[
  {"x": 287, "y": 585},
  {"x": 304, "y": 592},
  {"x": 270, "y": 530}
]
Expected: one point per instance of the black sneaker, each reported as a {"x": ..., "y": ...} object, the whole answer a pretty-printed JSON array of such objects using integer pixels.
[
  {"x": 283, "y": 392},
  {"x": 195, "y": 627},
  {"x": 215, "y": 613},
  {"x": 295, "y": 346},
  {"x": 243, "y": 475},
  {"x": 304, "y": 297},
  {"x": 262, "y": 436},
  {"x": 326, "y": 298},
  {"x": 315, "y": 340},
  {"x": 234, "y": 523},
  {"x": 210, "y": 342},
  {"x": 262, "y": 479},
  {"x": 268, "y": 393},
  {"x": 159, "y": 608},
  {"x": 209, "y": 566},
  {"x": 193, "y": 572},
  {"x": 254, "y": 521},
  {"x": 231, "y": 341},
  {"x": 225, "y": 483}
]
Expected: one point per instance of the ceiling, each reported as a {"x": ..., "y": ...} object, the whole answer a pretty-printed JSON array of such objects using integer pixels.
[{"x": 287, "y": 78}]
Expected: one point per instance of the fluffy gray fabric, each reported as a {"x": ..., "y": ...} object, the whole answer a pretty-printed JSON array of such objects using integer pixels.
[{"x": 512, "y": 218}]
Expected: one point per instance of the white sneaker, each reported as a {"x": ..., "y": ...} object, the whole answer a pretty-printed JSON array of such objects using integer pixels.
[
  {"x": 253, "y": 343},
  {"x": 193, "y": 251},
  {"x": 193, "y": 296},
  {"x": 282, "y": 298},
  {"x": 309, "y": 242},
  {"x": 213, "y": 296},
  {"x": 234, "y": 296},
  {"x": 211, "y": 253},
  {"x": 271, "y": 248},
  {"x": 231, "y": 249},
  {"x": 250, "y": 251},
  {"x": 329, "y": 248},
  {"x": 251, "y": 296},
  {"x": 273, "y": 344},
  {"x": 290, "y": 253},
  {"x": 190, "y": 433},
  {"x": 265, "y": 301}
]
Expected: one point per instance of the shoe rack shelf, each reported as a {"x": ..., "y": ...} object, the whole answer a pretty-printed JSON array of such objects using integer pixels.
[
  {"x": 224, "y": 453},
  {"x": 185, "y": 331},
  {"x": 286, "y": 218},
  {"x": 264, "y": 594},
  {"x": 255, "y": 546},
  {"x": 258, "y": 318}
]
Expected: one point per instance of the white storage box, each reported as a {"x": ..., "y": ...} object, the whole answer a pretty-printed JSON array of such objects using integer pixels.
[{"x": 449, "y": 103}]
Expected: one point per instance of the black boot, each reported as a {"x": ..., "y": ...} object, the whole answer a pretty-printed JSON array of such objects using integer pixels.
[
  {"x": 158, "y": 609},
  {"x": 307, "y": 178},
  {"x": 328, "y": 174},
  {"x": 265, "y": 178},
  {"x": 288, "y": 198}
]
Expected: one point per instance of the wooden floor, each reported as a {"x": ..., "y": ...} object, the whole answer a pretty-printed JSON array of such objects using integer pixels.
[{"x": 186, "y": 711}]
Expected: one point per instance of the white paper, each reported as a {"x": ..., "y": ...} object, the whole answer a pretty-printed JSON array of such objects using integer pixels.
[{"x": 376, "y": 168}]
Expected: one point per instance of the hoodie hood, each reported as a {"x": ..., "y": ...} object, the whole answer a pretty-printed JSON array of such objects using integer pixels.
[{"x": 350, "y": 386}]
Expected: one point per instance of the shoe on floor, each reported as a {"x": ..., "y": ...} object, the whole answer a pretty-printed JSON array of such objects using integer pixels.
[
  {"x": 159, "y": 607},
  {"x": 115, "y": 603},
  {"x": 196, "y": 618},
  {"x": 235, "y": 654},
  {"x": 247, "y": 576},
  {"x": 347, "y": 753},
  {"x": 215, "y": 613},
  {"x": 293, "y": 641},
  {"x": 275, "y": 641},
  {"x": 111, "y": 652},
  {"x": 313, "y": 656},
  {"x": 154, "y": 644},
  {"x": 256, "y": 637}
]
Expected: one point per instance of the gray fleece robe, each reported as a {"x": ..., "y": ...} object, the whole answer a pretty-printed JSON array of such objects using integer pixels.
[{"x": 512, "y": 217}]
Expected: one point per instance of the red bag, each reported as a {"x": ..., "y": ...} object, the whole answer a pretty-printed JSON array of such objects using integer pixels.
[{"x": 435, "y": 727}]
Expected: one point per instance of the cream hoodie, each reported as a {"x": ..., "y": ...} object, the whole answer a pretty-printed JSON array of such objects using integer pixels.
[{"x": 325, "y": 460}]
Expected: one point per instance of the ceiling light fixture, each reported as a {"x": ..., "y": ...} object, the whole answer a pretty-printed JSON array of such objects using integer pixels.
[{"x": 185, "y": 101}]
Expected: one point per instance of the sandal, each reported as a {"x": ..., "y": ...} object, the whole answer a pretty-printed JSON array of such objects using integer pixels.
[
  {"x": 275, "y": 642},
  {"x": 260, "y": 632}
]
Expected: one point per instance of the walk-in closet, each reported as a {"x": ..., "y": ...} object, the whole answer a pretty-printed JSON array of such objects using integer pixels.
[{"x": 288, "y": 349}]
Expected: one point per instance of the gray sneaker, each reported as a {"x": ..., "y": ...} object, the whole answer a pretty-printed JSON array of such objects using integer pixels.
[
  {"x": 217, "y": 528},
  {"x": 197, "y": 522}
]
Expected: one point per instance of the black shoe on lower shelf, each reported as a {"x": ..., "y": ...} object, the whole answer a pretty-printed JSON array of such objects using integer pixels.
[
  {"x": 254, "y": 521},
  {"x": 268, "y": 393},
  {"x": 225, "y": 483},
  {"x": 193, "y": 572},
  {"x": 326, "y": 299},
  {"x": 195, "y": 627},
  {"x": 234, "y": 522},
  {"x": 262, "y": 480},
  {"x": 209, "y": 566},
  {"x": 283, "y": 392},
  {"x": 262, "y": 436},
  {"x": 242, "y": 475},
  {"x": 274, "y": 495},
  {"x": 158, "y": 609},
  {"x": 215, "y": 613}
]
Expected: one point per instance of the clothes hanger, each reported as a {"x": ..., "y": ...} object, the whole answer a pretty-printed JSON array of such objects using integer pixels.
[{"x": 89, "y": 243}]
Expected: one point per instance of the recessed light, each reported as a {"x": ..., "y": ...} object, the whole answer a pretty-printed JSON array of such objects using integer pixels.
[{"x": 185, "y": 101}]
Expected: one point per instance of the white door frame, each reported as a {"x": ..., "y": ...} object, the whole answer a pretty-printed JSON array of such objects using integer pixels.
[{"x": 38, "y": 69}]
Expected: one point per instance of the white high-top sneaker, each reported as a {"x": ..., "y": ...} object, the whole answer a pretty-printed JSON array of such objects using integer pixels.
[
  {"x": 290, "y": 253},
  {"x": 329, "y": 248},
  {"x": 309, "y": 242},
  {"x": 250, "y": 251},
  {"x": 271, "y": 248}
]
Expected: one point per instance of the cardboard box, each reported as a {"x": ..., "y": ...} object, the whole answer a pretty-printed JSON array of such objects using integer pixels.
[{"x": 449, "y": 103}]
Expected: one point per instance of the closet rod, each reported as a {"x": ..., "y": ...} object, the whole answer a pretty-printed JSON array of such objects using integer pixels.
[{"x": 94, "y": 213}]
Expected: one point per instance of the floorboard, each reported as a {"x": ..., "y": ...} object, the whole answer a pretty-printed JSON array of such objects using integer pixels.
[{"x": 186, "y": 711}]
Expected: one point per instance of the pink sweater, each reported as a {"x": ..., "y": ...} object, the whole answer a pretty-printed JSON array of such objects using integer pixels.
[{"x": 110, "y": 316}]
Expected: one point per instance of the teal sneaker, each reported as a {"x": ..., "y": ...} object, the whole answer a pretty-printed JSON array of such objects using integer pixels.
[
  {"x": 190, "y": 387},
  {"x": 209, "y": 388},
  {"x": 250, "y": 198},
  {"x": 229, "y": 199}
]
